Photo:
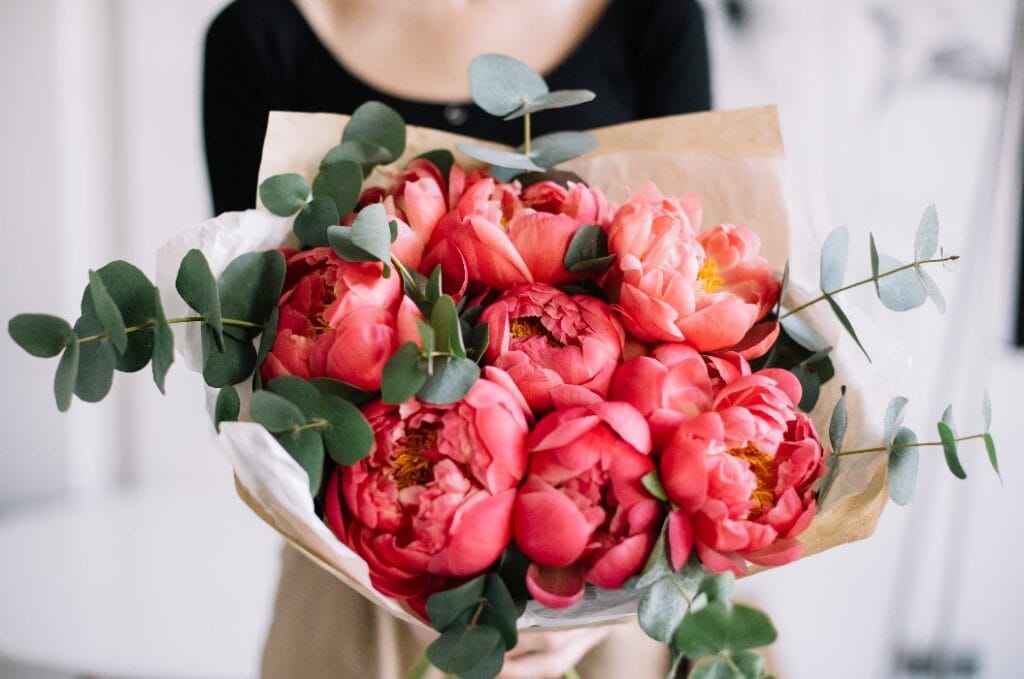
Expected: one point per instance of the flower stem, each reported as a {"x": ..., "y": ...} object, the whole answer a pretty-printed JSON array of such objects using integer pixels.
[
  {"x": 825, "y": 295},
  {"x": 526, "y": 134},
  {"x": 315, "y": 424},
  {"x": 420, "y": 669},
  {"x": 732, "y": 665},
  {"x": 919, "y": 444},
  {"x": 571, "y": 673},
  {"x": 183, "y": 319}
]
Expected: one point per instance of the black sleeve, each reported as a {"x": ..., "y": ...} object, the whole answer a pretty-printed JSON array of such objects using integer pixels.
[
  {"x": 235, "y": 108},
  {"x": 673, "y": 67}
]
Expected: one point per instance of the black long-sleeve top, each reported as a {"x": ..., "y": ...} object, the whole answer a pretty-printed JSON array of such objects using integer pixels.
[{"x": 643, "y": 58}]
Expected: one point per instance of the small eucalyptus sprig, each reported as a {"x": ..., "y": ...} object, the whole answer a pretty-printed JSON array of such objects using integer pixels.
[{"x": 508, "y": 88}]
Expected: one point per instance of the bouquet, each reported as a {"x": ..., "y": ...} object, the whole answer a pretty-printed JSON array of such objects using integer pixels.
[{"x": 489, "y": 394}]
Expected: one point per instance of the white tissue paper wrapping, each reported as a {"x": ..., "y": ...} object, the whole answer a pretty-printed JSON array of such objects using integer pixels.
[{"x": 757, "y": 192}]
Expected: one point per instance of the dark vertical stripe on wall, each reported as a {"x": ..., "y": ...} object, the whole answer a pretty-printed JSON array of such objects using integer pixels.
[{"x": 1020, "y": 254}]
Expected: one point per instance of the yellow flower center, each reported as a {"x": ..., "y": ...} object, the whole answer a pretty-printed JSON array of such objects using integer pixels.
[
  {"x": 531, "y": 326},
  {"x": 763, "y": 469},
  {"x": 410, "y": 467},
  {"x": 708, "y": 277}
]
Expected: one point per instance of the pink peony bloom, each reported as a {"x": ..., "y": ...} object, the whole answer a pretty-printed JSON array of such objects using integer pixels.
[
  {"x": 432, "y": 502},
  {"x": 650, "y": 227},
  {"x": 558, "y": 349},
  {"x": 741, "y": 475},
  {"x": 674, "y": 383},
  {"x": 338, "y": 319},
  {"x": 585, "y": 204},
  {"x": 708, "y": 292},
  {"x": 583, "y": 513}
]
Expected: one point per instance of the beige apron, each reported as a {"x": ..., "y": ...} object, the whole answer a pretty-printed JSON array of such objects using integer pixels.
[{"x": 324, "y": 630}]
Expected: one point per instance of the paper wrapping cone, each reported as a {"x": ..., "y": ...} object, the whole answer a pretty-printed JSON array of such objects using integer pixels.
[{"x": 735, "y": 160}]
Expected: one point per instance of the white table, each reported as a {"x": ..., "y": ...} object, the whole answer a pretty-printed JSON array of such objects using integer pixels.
[{"x": 159, "y": 582}]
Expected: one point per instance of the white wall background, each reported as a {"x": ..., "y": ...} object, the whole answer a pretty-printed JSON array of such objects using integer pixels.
[{"x": 886, "y": 107}]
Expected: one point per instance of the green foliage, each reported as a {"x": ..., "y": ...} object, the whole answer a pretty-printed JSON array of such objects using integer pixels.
[
  {"x": 250, "y": 288},
  {"x": 197, "y": 286},
  {"x": 41, "y": 335},
  {"x": 66, "y": 377},
  {"x": 947, "y": 434},
  {"x": 341, "y": 182},
  {"x": 836, "y": 435},
  {"x": 652, "y": 482},
  {"x": 557, "y": 99},
  {"x": 108, "y": 313},
  {"x": 588, "y": 251},
  {"x": 452, "y": 379},
  {"x": 314, "y": 219},
  {"x": 96, "y": 364},
  {"x": 461, "y": 647},
  {"x": 499, "y": 157},
  {"x": 275, "y": 413},
  {"x": 231, "y": 366},
  {"x": 445, "y": 608},
  {"x": 163, "y": 342},
  {"x": 669, "y": 593},
  {"x": 551, "y": 149},
  {"x": 367, "y": 240},
  {"x": 720, "y": 626},
  {"x": 132, "y": 294},
  {"x": 347, "y": 435},
  {"x": 443, "y": 159},
  {"x": 448, "y": 332},
  {"x": 284, "y": 194},
  {"x": 800, "y": 350},
  {"x": 735, "y": 665},
  {"x": 845, "y": 322},
  {"x": 377, "y": 125},
  {"x": 367, "y": 155},
  {"x": 227, "y": 407},
  {"x": 903, "y": 462},
  {"x": 894, "y": 413},
  {"x": 507, "y": 87},
  {"x": 900, "y": 291},
  {"x": 405, "y": 373},
  {"x": 307, "y": 448},
  {"x": 833, "y": 260},
  {"x": 926, "y": 239}
]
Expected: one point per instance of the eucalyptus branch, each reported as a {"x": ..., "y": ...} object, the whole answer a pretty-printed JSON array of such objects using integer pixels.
[
  {"x": 184, "y": 319},
  {"x": 919, "y": 444},
  {"x": 825, "y": 295},
  {"x": 526, "y": 134}
]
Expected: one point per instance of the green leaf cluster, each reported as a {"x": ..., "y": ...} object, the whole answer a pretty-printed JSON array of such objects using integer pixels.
[
  {"x": 315, "y": 421},
  {"x": 367, "y": 240},
  {"x": 444, "y": 367},
  {"x": 477, "y": 622},
  {"x": 375, "y": 135},
  {"x": 804, "y": 353},
  {"x": 508, "y": 88}
]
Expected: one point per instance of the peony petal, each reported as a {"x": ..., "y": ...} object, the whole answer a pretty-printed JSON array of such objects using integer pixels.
[
  {"x": 719, "y": 562},
  {"x": 555, "y": 587},
  {"x": 479, "y": 534},
  {"x": 680, "y": 538},
  {"x": 548, "y": 527},
  {"x": 778, "y": 554},
  {"x": 621, "y": 562}
]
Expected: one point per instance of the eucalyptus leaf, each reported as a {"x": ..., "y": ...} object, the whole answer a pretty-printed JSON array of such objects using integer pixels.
[
  {"x": 990, "y": 448},
  {"x": 489, "y": 667},
  {"x": 551, "y": 149},
  {"x": 275, "y": 413},
  {"x": 588, "y": 250},
  {"x": 661, "y": 609},
  {"x": 348, "y": 436},
  {"x": 461, "y": 647},
  {"x": 803, "y": 334},
  {"x": 903, "y": 461},
  {"x": 479, "y": 339},
  {"x": 198, "y": 287},
  {"x": 652, "y": 482},
  {"x": 314, "y": 219},
  {"x": 500, "y": 611},
  {"x": 108, "y": 313},
  {"x": 500, "y": 84},
  {"x": 307, "y": 448},
  {"x": 371, "y": 234},
  {"x": 163, "y": 342},
  {"x": 448, "y": 332},
  {"x": 932, "y": 289},
  {"x": 845, "y": 322},
  {"x": 132, "y": 292},
  {"x": 894, "y": 413},
  {"x": 377, "y": 124},
  {"x": 825, "y": 483},
  {"x": 331, "y": 387},
  {"x": 300, "y": 393},
  {"x": 986, "y": 411},
  {"x": 41, "y": 335},
  {"x": 227, "y": 407},
  {"x": 874, "y": 262},
  {"x": 716, "y": 667},
  {"x": 250, "y": 287},
  {"x": 751, "y": 665},
  {"x": 233, "y": 365},
  {"x": 404, "y": 374},
  {"x": 499, "y": 157},
  {"x": 96, "y": 363},
  {"x": 443, "y": 159},
  {"x": 833, "y": 260},
  {"x": 268, "y": 336},
  {"x": 284, "y": 194},
  {"x": 718, "y": 587},
  {"x": 783, "y": 288},
  {"x": 452, "y": 379},
  {"x": 66, "y": 376},
  {"x": 837, "y": 423},
  {"x": 949, "y": 449},
  {"x": 550, "y": 100},
  {"x": 899, "y": 291},
  {"x": 926, "y": 240},
  {"x": 445, "y": 607},
  {"x": 723, "y": 627},
  {"x": 367, "y": 155},
  {"x": 435, "y": 286},
  {"x": 810, "y": 387},
  {"x": 342, "y": 182}
]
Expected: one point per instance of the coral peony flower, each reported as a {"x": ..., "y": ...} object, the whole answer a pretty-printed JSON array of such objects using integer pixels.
[
  {"x": 741, "y": 475},
  {"x": 558, "y": 349},
  {"x": 650, "y": 227},
  {"x": 672, "y": 384},
  {"x": 583, "y": 513},
  {"x": 585, "y": 204},
  {"x": 338, "y": 319},
  {"x": 708, "y": 292},
  {"x": 433, "y": 500}
]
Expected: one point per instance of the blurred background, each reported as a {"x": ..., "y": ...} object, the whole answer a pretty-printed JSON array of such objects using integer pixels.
[{"x": 123, "y": 549}]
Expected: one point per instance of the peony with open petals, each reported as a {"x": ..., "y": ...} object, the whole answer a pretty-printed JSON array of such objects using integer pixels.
[{"x": 741, "y": 475}]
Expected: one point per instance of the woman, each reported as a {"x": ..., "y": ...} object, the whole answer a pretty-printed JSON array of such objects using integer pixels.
[{"x": 643, "y": 58}]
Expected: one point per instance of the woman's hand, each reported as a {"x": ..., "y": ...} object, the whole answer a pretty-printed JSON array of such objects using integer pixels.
[{"x": 549, "y": 655}]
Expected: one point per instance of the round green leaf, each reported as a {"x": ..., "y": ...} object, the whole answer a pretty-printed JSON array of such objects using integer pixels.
[
  {"x": 661, "y": 609},
  {"x": 499, "y": 157},
  {"x": 837, "y": 423},
  {"x": 233, "y": 365},
  {"x": 452, "y": 379},
  {"x": 404, "y": 374},
  {"x": 990, "y": 448},
  {"x": 96, "y": 364},
  {"x": 268, "y": 336},
  {"x": 900, "y": 291},
  {"x": 444, "y": 319},
  {"x": 301, "y": 393},
  {"x": 713, "y": 668},
  {"x": 371, "y": 233},
  {"x": 276, "y": 413},
  {"x": 500, "y": 611},
  {"x": 250, "y": 288},
  {"x": 367, "y": 155},
  {"x": 227, "y": 407},
  {"x": 66, "y": 376},
  {"x": 489, "y": 667},
  {"x": 284, "y": 194},
  {"x": 652, "y": 482},
  {"x": 903, "y": 461},
  {"x": 108, "y": 313},
  {"x": 460, "y": 647},
  {"x": 307, "y": 448},
  {"x": 441, "y": 158},
  {"x": 41, "y": 335},
  {"x": 314, "y": 219},
  {"x": 331, "y": 387},
  {"x": 500, "y": 84},
  {"x": 947, "y": 435},
  {"x": 550, "y": 100},
  {"x": 833, "y": 259},
  {"x": 445, "y": 607},
  {"x": 749, "y": 628},
  {"x": 342, "y": 182},
  {"x": 375, "y": 124},
  {"x": 718, "y": 587},
  {"x": 893, "y": 418},
  {"x": 163, "y": 342},
  {"x": 926, "y": 240},
  {"x": 558, "y": 147},
  {"x": 932, "y": 289},
  {"x": 132, "y": 293},
  {"x": 348, "y": 437},
  {"x": 197, "y": 286}
]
